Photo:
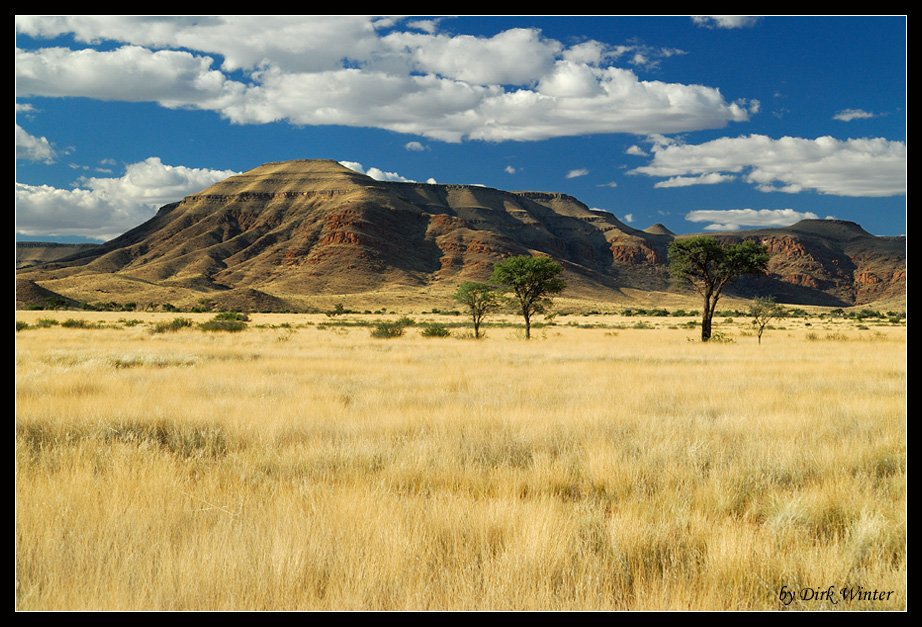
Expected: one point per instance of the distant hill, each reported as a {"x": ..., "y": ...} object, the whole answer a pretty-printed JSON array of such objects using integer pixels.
[
  {"x": 287, "y": 234},
  {"x": 658, "y": 229},
  {"x": 36, "y": 253}
]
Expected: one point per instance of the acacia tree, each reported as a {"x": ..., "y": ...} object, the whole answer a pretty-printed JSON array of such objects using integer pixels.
[
  {"x": 480, "y": 299},
  {"x": 709, "y": 267},
  {"x": 763, "y": 310},
  {"x": 532, "y": 280}
]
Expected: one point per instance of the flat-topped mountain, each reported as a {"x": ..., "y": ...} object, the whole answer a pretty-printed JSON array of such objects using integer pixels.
[{"x": 286, "y": 232}]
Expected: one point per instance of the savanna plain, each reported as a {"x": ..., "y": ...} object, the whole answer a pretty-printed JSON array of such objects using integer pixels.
[{"x": 608, "y": 463}]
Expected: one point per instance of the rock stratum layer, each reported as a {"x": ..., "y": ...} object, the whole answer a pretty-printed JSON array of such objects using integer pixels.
[{"x": 289, "y": 230}]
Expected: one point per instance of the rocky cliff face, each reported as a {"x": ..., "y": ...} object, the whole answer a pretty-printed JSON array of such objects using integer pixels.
[
  {"x": 313, "y": 226},
  {"x": 830, "y": 262}
]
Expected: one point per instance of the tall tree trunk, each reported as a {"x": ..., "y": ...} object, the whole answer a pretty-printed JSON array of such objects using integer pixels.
[{"x": 707, "y": 317}]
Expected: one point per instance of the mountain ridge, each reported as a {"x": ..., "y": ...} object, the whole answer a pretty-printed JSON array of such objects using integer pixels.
[{"x": 302, "y": 229}]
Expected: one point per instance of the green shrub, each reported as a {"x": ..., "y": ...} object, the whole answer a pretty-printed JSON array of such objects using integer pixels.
[
  {"x": 718, "y": 336},
  {"x": 385, "y": 330},
  {"x": 216, "y": 324},
  {"x": 435, "y": 330},
  {"x": 71, "y": 323},
  {"x": 232, "y": 315},
  {"x": 174, "y": 325}
]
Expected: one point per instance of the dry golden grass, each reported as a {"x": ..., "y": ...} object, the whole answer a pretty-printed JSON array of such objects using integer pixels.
[{"x": 315, "y": 468}]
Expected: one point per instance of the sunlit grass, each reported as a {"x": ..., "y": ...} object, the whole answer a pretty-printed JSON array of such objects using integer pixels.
[{"x": 300, "y": 466}]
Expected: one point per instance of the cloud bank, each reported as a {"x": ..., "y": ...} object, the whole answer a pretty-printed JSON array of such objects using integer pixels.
[
  {"x": 853, "y": 167},
  {"x": 118, "y": 203},
  {"x": 366, "y": 71},
  {"x": 378, "y": 174},
  {"x": 736, "y": 219}
]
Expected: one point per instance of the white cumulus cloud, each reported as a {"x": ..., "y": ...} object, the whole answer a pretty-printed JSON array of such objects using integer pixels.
[
  {"x": 31, "y": 148},
  {"x": 377, "y": 173},
  {"x": 870, "y": 167},
  {"x": 736, "y": 219},
  {"x": 847, "y": 115},
  {"x": 130, "y": 73},
  {"x": 102, "y": 208},
  {"x": 725, "y": 21}
]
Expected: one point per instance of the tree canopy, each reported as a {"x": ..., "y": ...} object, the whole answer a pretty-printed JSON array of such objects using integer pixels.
[
  {"x": 532, "y": 281},
  {"x": 480, "y": 299},
  {"x": 763, "y": 310},
  {"x": 709, "y": 266}
]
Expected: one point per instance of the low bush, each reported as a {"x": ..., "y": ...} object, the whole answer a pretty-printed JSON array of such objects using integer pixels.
[
  {"x": 405, "y": 321},
  {"x": 386, "y": 330},
  {"x": 233, "y": 316},
  {"x": 223, "y": 323},
  {"x": 72, "y": 323},
  {"x": 173, "y": 325},
  {"x": 435, "y": 330}
]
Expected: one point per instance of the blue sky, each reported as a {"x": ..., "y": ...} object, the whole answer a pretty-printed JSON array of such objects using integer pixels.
[{"x": 695, "y": 122}]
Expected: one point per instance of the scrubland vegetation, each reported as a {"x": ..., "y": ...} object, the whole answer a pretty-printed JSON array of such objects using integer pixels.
[{"x": 609, "y": 463}]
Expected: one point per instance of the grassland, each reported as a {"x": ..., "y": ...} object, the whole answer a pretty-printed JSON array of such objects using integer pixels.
[{"x": 608, "y": 464}]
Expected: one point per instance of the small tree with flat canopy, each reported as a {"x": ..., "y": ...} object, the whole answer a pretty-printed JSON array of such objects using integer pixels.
[
  {"x": 480, "y": 299},
  {"x": 763, "y": 310},
  {"x": 709, "y": 267},
  {"x": 532, "y": 280}
]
